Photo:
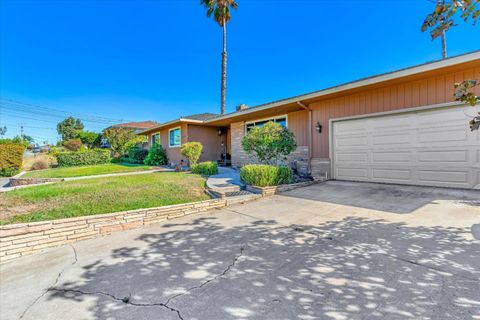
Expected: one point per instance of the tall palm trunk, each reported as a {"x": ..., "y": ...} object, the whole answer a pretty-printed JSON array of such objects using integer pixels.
[
  {"x": 444, "y": 36},
  {"x": 223, "y": 88},
  {"x": 444, "y": 45}
]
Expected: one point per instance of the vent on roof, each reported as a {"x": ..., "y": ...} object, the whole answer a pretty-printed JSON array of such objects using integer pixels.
[{"x": 242, "y": 107}]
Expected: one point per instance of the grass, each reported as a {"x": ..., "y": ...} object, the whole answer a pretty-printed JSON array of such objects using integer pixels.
[
  {"x": 29, "y": 161},
  {"x": 69, "y": 172},
  {"x": 96, "y": 196}
]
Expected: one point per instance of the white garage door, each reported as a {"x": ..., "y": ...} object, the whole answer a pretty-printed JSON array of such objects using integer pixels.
[{"x": 434, "y": 148}]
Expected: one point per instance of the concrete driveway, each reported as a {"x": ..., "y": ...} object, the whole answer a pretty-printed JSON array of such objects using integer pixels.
[{"x": 331, "y": 251}]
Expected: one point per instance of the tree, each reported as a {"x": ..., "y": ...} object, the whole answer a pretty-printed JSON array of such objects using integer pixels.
[
  {"x": 69, "y": 127},
  {"x": 3, "y": 131},
  {"x": 270, "y": 143},
  {"x": 89, "y": 138},
  {"x": 192, "y": 151},
  {"x": 121, "y": 139},
  {"x": 439, "y": 22},
  {"x": 220, "y": 9}
]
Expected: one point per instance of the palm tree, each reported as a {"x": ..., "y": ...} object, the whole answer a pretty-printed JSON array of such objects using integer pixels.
[{"x": 220, "y": 9}]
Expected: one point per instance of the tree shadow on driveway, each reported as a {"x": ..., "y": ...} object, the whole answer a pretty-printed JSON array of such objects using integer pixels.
[{"x": 353, "y": 268}]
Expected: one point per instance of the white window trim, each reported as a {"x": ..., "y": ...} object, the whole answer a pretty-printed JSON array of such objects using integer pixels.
[
  {"x": 172, "y": 129},
  {"x": 266, "y": 119},
  {"x": 151, "y": 138}
]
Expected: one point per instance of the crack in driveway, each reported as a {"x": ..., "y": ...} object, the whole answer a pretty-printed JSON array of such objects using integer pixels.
[
  {"x": 123, "y": 300},
  {"x": 229, "y": 267},
  {"x": 53, "y": 285}
]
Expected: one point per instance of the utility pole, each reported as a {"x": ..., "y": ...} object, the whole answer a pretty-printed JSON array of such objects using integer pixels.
[
  {"x": 443, "y": 37},
  {"x": 21, "y": 131}
]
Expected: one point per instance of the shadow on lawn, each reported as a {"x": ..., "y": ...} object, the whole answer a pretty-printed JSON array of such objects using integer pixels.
[{"x": 349, "y": 269}]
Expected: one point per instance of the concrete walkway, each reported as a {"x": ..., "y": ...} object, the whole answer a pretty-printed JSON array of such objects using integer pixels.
[
  {"x": 227, "y": 180},
  {"x": 332, "y": 251},
  {"x": 5, "y": 188}
]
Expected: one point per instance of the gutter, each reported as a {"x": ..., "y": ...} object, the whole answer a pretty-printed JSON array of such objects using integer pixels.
[{"x": 309, "y": 135}]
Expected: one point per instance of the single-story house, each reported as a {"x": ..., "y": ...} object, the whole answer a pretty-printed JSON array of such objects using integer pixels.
[{"x": 400, "y": 127}]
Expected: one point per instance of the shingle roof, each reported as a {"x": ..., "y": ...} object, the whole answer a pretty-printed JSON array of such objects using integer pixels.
[
  {"x": 200, "y": 116},
  {"x": 137, "y": 125}
]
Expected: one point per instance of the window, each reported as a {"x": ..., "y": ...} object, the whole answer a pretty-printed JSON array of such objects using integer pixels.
[
  {"x": 175, "y": 137},
  {"x": 282, "y": 120},
  {"x": 155, "y": 139}
]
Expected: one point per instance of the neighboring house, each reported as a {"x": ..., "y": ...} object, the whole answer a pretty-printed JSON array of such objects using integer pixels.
[
  {"x": 400, "y": 127},
  {"x": 135, "y": 126}
]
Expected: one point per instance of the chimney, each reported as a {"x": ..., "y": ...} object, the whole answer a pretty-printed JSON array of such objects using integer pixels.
[{"x": 242, "y": 107}]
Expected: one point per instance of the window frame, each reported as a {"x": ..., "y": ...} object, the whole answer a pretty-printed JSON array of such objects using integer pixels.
[
  {"x": 267, "y": 120},
  {"x": 169, "y": 140},
  {"x": 152, "y": 138}
]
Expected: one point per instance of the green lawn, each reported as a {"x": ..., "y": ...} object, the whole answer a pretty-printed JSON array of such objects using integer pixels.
[
  {"x": 68, "y": 172},
  {"x": 101, "y": 195}
]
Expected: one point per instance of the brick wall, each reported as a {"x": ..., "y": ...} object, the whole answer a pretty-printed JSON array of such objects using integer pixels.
[
  {"x": 241, "y": 158},
  {"x": 17, "y": 240}
]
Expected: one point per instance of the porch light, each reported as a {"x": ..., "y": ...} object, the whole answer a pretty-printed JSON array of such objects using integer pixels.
[
  {"x": 318, "y": 127},
  {"x": 220, "y": 132}
]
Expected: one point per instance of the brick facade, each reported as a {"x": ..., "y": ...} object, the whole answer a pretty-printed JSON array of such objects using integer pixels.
[{"x": 241, "y": 158}]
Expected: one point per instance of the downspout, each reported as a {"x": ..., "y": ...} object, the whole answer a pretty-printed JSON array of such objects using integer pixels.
[{"x": 309, "y": 135}]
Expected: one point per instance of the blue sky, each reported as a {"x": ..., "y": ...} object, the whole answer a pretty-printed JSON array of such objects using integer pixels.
[{"x": 159, "y": 59}]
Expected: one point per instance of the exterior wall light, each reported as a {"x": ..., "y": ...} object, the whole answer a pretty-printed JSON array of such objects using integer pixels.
[{"x": 318, "y": 127}]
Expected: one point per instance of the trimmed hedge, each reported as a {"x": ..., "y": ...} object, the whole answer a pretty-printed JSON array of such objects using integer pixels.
[
  {"x": 83, "y": 158},
  {"x": 157, "y": 156},
  {"x": 11, "y": 159},
  {"x": 207, "y": 168},
  {"x": 137, "y": 155},
  {"x": 262, "y": 175}
]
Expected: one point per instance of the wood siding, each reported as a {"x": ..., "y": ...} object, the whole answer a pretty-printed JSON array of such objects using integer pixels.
[
  {"x": 209, "y": 138},
  {"x": 409, "y": 94},
  {"x": 298, "y": 124}
]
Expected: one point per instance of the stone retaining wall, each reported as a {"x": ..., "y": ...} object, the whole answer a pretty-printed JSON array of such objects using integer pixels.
[
  {"x": 15, "y": 182},
  {"x": 17, "y": 240}
]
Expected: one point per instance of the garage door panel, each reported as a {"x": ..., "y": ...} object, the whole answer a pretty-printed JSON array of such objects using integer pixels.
[
  {"x": 351, "y": 142},
  {"x": 436, "y": 148},
  {"x": 361, "y": 157},
  {"x": 391, "y": 139},
  {"x": 349, "y": 173},
  {"x": 392, "y": 174},
  {"x": 452, "y": 156},
  {"x": 385, "y": 156},
  {"x": 441, "y": 136},
  {"x": 443, "y": 176}
]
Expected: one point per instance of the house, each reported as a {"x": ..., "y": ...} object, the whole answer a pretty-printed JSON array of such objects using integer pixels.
[{"x": 400, "y": 127}]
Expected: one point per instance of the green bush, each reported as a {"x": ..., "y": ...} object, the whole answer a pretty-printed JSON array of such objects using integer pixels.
[
  {"x": 157, "y": 156},
  {"x": 73, "y": 144},
  {"x": 270, "y": 143},
  {"x": 136, "y": 155},
  {"x": 11, "y": 158},
  {"x": 9, "y": 172},
  {"x": 192, "y": 151},
  {"x": 207, "y": 168},
  {"x": 262, "y": 175},
  {"x": 83, "y": 158}
]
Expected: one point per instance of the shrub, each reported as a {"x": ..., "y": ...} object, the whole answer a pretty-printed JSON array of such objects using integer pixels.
[
  {"x": 136, "y": 155},
  {"x": 83, "y": 158},
  {"x": 11, "y": 158},
  {"x": 269, "y": 143},
  {"x": 192, "y": 151},
  {"x": 207, "y": 168},
  {"x": 8, "y": 172},
  {"x": 40, "y": 164},
  {"x": 73, "y": 144},
  {"x": 157, "y": 156},
  {"x": 265, "y": 175},
  {"x": 54, "y": 151}
]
